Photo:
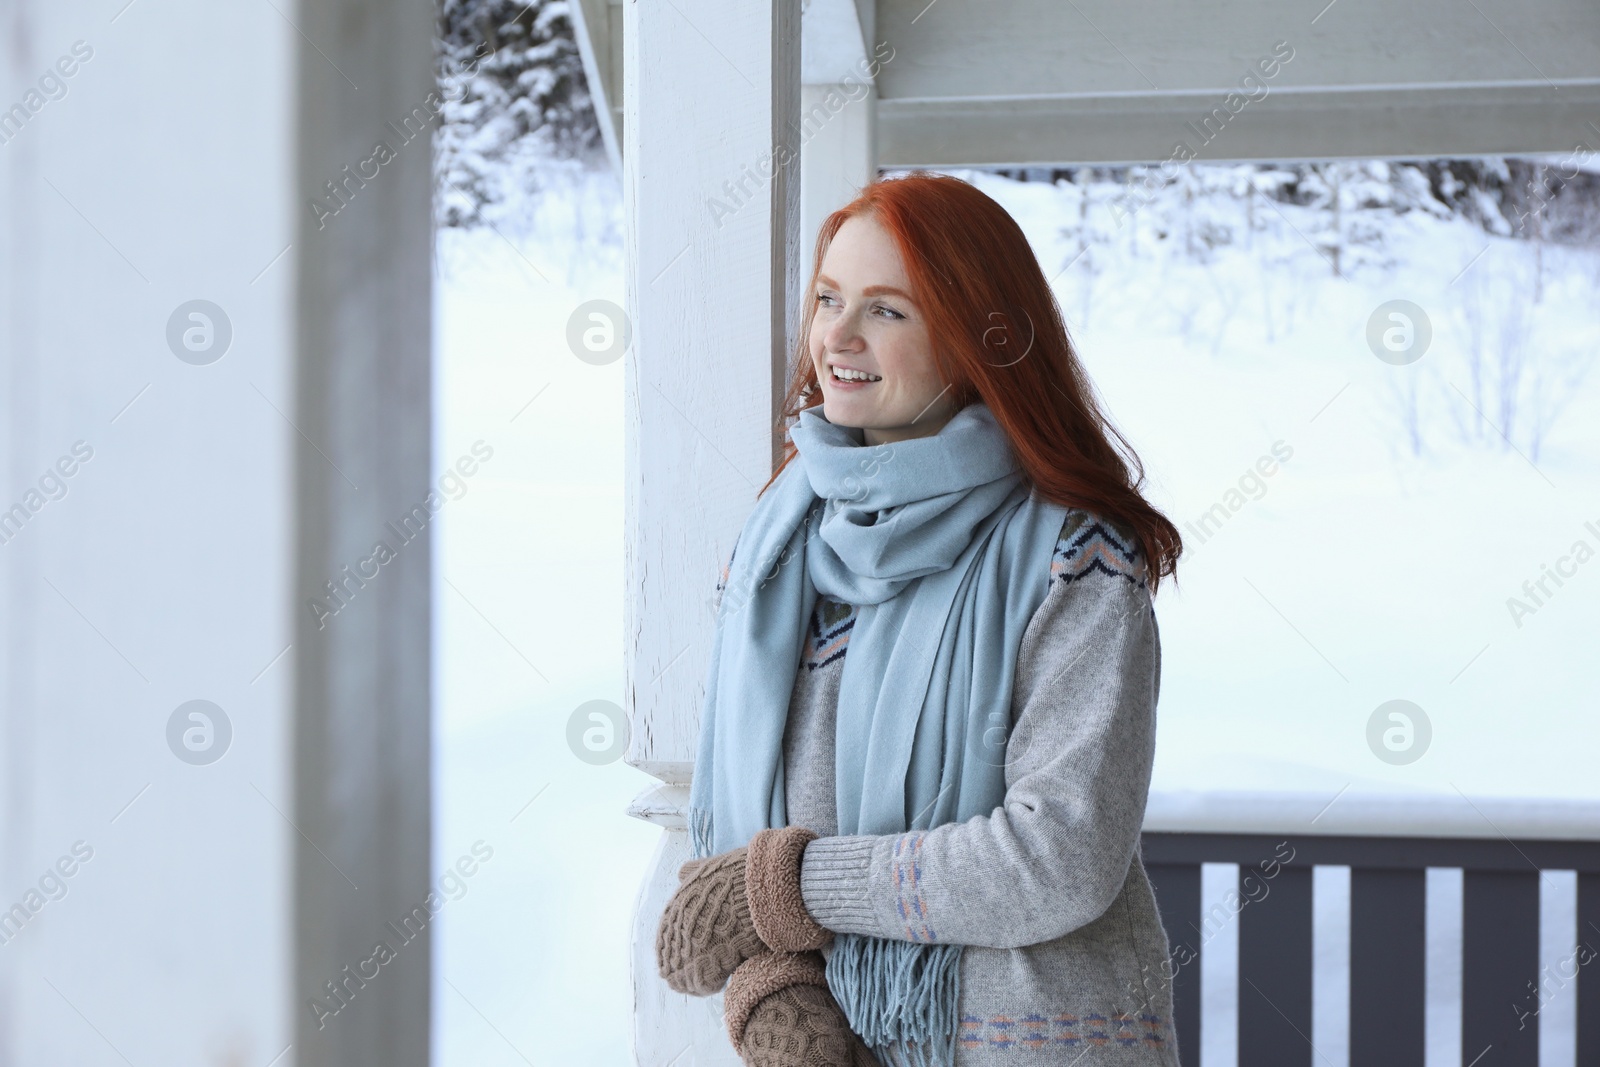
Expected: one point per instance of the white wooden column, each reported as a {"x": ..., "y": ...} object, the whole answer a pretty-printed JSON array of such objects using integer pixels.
[
  {"x": 212, "y": 398},
  {"x": 838, "y": 160},
  {"x": 838, "y": 112},
  {"x": 711, "y": 193},
  {"x": 367, "y": 103}
]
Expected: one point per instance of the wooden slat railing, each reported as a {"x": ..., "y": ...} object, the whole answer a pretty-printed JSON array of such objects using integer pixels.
[{"x": 1500, "y": 936}]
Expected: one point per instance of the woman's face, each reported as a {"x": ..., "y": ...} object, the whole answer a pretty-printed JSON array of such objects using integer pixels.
[{"x": 866, "y": 321}]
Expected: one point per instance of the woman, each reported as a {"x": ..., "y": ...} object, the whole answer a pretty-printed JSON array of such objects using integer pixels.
[{"x": 925, "y": 849}]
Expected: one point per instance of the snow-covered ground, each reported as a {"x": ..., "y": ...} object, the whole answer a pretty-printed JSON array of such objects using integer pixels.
[
  {"x": 1359, "y": 571},
  {"x": 1374, "y": 563},
  {"x": 532, "y": 962}
]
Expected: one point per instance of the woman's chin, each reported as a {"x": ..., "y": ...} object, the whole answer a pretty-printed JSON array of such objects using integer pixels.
[{"x": 848, "y": 411}]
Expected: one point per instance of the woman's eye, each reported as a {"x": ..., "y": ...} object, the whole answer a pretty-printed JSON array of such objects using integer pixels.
[
  {"x": 823, "y": 298},
  {"x": 891, "y": 312}
]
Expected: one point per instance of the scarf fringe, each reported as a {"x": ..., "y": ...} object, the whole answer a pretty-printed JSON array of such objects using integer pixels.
[
  {"x": 699, "y": 832},
  {"x": 900, "y": 996}
]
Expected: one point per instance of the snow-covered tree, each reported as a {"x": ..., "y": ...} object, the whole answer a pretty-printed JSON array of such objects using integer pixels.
[{"x": 516, "y": 104}]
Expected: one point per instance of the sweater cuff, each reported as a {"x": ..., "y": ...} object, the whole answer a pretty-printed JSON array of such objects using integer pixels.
[{"x": 835, "y": 883}]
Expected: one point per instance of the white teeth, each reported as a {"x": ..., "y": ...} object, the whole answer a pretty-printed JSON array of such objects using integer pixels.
[{"x": 855, "y": 375}]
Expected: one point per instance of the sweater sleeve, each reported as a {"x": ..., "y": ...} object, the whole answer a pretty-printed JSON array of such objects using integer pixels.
[{"x": 1055, "y": 854}]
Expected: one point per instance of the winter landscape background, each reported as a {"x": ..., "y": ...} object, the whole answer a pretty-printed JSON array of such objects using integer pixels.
[{"x": 1224, "y": 313}]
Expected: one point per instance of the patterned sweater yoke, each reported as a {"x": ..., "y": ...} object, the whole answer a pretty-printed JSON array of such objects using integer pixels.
[{"x": 1066, "y": 959}]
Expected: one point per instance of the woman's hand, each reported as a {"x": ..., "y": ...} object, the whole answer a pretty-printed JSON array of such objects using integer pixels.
[
  {"x": 706, "y": 930},
  {"x": 733, "y": 906},
  {"x": 779, "y": 1013}
]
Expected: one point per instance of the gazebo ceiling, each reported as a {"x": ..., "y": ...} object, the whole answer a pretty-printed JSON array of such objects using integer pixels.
[
  {"x": 1046, "y": 82},
  {"x": 1060, "y": 81}
]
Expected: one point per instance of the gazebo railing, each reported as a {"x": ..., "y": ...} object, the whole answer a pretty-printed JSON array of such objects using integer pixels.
[{"x": 1503, "y": 980}]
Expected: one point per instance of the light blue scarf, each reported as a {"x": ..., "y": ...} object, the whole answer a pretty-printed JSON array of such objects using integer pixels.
[{"x": 946, "y": 553}]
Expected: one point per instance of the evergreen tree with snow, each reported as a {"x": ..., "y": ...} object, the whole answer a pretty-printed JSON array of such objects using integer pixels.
[{"x": 516, "y": 103}]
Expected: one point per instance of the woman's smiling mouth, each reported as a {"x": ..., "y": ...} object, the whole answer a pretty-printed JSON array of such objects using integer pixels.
[{"x": 850, "y": 377}]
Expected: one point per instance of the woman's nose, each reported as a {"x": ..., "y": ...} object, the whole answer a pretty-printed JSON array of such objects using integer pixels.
[{"x": 842, "y": 335}]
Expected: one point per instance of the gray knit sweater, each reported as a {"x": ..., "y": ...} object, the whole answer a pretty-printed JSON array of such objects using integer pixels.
[{"x": 1065, "y": 952}]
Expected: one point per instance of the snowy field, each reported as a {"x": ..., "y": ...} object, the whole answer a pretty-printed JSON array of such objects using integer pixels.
[
  {"x": 532, "y": 962},
  {"x": 1406, "y": 505},
  {"x": 1364, "y": 568}
]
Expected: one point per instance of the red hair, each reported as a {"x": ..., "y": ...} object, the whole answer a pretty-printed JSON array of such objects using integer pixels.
[{"x": 997, "y": 336}]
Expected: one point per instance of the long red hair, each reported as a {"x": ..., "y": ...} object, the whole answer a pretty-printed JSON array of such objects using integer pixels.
[{"x": 997, "y": 336}]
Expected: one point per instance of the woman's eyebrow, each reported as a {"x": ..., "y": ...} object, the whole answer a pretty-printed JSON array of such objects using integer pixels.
[
  {"x": 885, "y": 290},
  {"x": 871, "y": 290}
]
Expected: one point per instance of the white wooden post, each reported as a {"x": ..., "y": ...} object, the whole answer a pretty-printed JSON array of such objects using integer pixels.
[
  {"x": 711, "y": 193},
  {"x": 211, "y": 401},
  {"x": 362, "y": 352},
  {"x": 838, "y": 112},
  {"x": 838, "y": 158},
  {"x": 597, "y": 26}
]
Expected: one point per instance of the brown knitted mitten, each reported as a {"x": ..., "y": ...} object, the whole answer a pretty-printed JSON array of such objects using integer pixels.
[
  {"x": 780, "y": 1013},
  {"x": 772, "y": 883},
  {"x": 706, "y": 931}
]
